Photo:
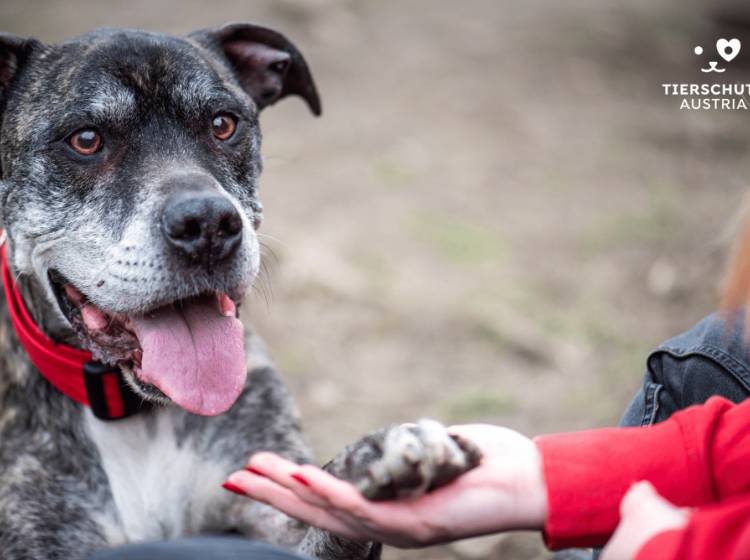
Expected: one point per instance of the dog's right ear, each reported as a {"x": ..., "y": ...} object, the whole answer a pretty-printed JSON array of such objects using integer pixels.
[{"x": 14, "y": 52}]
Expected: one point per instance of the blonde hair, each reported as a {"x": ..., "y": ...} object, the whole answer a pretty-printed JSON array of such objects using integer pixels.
[{"x": 735, "y": 289}]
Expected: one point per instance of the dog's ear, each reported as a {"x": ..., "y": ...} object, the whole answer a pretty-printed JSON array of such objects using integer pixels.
[
  {"x": 266, "y": 63},
  {"x": 14, "y": 51}
]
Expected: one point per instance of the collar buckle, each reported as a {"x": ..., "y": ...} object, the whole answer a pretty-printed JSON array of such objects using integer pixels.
[{"x": 109, "y": 395}]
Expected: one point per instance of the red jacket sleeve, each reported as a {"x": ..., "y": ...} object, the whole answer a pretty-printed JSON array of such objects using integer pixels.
[
  {"x": 714, "y": 531},
  {"x": 699, "y": 456}
]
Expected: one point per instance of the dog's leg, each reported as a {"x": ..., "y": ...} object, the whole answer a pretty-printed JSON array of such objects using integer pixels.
[
  {"x": 398, "y": 462},
  {"x": 405, "y": 461}
]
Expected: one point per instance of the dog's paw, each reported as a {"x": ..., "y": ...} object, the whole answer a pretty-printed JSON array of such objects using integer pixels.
[{"x": 417, "y": 458}]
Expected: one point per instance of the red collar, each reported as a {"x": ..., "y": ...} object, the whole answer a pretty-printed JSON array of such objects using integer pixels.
[{"x": 70, "y": 370}]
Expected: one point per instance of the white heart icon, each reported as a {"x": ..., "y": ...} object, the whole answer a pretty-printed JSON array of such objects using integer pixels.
[{"x": 728, "y": 49}]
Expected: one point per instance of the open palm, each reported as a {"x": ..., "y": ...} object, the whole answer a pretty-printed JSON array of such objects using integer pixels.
[{"x": 506, "y": 491}]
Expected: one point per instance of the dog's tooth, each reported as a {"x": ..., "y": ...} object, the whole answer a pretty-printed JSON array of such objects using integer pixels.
[
  {"x": 73, "y": 294},
  {"x": 94, "y": 318},
  {"x": 226, "y": 306}
]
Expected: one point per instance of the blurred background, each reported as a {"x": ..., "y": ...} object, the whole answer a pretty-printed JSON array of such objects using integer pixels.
[{"x": 498, "y": 215}]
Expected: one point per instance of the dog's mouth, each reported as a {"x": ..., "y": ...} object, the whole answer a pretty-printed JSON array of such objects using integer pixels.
[{"x": 190, "y": 350}]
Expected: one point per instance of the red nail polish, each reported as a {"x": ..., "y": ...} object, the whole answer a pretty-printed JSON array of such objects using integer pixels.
[
  {"x": 301, "y": 479},
  {"x": 255, "y": 471},
  {"x": 233, "y": 488}
]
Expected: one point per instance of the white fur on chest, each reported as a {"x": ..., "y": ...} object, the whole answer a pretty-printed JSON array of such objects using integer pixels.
[{"x": 160, "y": 490}]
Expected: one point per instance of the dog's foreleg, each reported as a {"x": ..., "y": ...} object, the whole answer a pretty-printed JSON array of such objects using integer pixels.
[
  {"x": 403, "y": 461},
  {"x": 327, "y": 546}
]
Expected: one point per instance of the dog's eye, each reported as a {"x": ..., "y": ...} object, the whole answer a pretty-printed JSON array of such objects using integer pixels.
[
  {"x": 223, "y": 126},
  {"x": 85, "y": 141}
]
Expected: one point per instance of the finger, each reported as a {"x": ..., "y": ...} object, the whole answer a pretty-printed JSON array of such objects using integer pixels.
[
  {"x": 267, "y": 463},
  {"x": 297, "y": 483},
  {"x": 320, "y": 489},
  {"x": 285, "y": 473},
  {"x": 338, "y": 498},
  {"x": 640, "y": 495},
  {"x": 346, "y": 502},
  {"x": 356, "y": 529},
  {"x": 644, "y": 498},
  {"x": 283, "y": 499},
  {"x": 337, "y": 493}
]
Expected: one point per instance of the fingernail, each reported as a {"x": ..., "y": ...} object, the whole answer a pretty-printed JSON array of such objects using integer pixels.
[
  {"x": 301, "y": 479},
  {"x": 255, "y": 471},
  {"x": 233, "y": 488}
]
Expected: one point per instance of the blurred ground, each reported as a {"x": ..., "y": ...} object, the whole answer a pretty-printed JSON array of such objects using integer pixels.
[{"x": 497, "y": 217}]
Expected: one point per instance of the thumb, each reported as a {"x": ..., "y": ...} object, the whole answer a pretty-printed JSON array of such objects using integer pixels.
[
  {"x": 641, "y": 494},
  {"x": 643, "y": 500}
]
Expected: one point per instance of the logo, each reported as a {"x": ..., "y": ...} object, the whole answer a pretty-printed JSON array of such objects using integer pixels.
[
  {"x": 713, "y": 95},
  {"x": 727, "y": 50}
]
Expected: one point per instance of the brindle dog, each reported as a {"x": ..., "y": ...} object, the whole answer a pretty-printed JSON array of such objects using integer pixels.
[{"x": 129, "y": 169}]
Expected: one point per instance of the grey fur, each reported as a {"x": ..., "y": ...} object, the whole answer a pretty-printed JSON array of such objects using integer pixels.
[{"x": 70, "y": 483}]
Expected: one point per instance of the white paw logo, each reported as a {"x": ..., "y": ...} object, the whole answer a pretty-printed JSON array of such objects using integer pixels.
[{"x": 727, "y": 49}]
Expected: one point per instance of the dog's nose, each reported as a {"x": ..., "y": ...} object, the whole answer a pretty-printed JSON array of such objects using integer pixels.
[{"x": 205, "y": 227}]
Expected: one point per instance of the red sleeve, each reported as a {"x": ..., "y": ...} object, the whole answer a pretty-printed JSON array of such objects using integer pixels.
[
  {"x": 698, "y": 456},
  {"x": 714, "y": 531}
]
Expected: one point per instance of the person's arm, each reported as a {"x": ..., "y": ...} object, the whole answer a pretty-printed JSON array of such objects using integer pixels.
[
  {"x": 699, "y": 456},
  {"x": 570, "y": 485}
]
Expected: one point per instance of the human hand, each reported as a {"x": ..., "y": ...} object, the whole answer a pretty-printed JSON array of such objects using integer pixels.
[
  {"x": 506, "y": 491},
  {"x": 643, "y": 515}
]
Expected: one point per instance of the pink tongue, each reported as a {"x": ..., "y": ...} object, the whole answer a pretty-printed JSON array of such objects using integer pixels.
[{"x": 194, "y": 354}]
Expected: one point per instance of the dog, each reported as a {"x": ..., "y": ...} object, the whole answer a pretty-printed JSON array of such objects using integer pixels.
[{"x": 129, "y": 166}]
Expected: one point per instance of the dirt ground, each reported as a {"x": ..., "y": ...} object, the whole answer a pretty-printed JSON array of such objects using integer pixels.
[{"x": 497, "y": 216}]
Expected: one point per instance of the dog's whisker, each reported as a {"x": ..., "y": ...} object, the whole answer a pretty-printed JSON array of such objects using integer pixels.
[
  {"x": 259, "y": 290},
  {"x": 269, "y": 252},
  {"x": 265, "y": 279},
  {"x": 270, "y": 237}
]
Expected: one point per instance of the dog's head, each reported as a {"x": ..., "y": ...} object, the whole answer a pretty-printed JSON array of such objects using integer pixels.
[{"x": 129, "y": 168}]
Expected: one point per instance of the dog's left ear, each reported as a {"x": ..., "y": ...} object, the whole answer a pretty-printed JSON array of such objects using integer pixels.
[{"x": 267, "y": 65}]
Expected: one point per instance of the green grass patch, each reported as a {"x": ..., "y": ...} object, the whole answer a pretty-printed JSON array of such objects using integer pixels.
[
  {"x": 391, "y": 173},
  {"x": 293, "y": 363},
  {"x": 655, "y": 223},
  {"x": 479, "y": 406},
  {"x": 460, "y": 242}
]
